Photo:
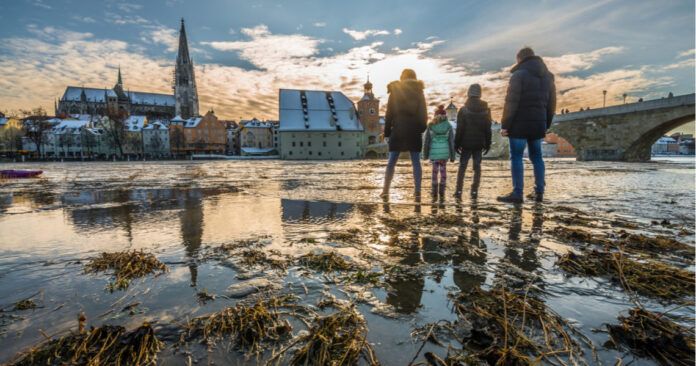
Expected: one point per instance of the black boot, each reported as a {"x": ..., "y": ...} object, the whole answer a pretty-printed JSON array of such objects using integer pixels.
[
  {"x": 442, "y": 191},
  {"x": 433, "y": 192},
  {"x": 536, "y": 196},
  {"x": 510, "y": 198}
]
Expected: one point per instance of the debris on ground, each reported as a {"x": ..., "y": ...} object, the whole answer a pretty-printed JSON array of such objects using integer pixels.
[
  {"x": 105, "y": 345},
  {"x": 204, "y": 296},
  {"x": 509, "y": 328},
  {"x": 248, "y": 326},
  {"x": 647, "y": 277},
  {"x": 336, "y": 339},
  {"x": 26, "y": 304},
  {"x": 658, "y": 245},
  {"x": 251, "y": 286},
  {"x": 126, "y": 266},
  {"x": 325, "y": 261},
  {"x": 649, "y": 334}
]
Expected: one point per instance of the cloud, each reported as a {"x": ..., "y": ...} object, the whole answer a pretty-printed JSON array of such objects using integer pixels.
[
  {"x": 36, "y": 70},
  {"x": 127, "y": 19},
  {"x": 319, "y": 24},
  {"x": 397, "y": 31},
  {"x": 360, "y": 35},
  {"x": 128, "y": 7},
  {"x": 84, "y": 19},
  {"x": 162, "y": 35},
  {"x": 41, "y": 4}
]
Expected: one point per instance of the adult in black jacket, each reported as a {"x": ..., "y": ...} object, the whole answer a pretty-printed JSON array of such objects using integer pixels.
[
  {"x": 530, "y": 104},
  {"x": 473, "y": 137},
  {"x": 405, "y": 122}
]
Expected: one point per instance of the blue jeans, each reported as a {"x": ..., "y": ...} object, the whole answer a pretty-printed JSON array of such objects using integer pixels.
[
  {"x": 517, "y": 165},
  {"x": 391, "y": 167}
]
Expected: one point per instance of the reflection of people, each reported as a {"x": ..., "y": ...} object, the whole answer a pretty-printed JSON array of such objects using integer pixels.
[
  {"x": 407, "y": 287},
  {"x": 529, "y": 107},
  {"x": 405, "y": 122},
  {"x": 474, "y": 252},
  {"x": 439, "y": 147},
  {"x": 473, "y": 137},
  {"x": 528, "y": 259},
  {"x": 192, "y": 230}
]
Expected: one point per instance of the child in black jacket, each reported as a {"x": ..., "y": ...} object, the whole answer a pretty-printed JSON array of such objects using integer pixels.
[{"x": 473, "y": 137}]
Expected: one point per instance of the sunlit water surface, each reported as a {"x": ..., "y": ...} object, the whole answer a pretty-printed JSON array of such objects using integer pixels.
[{"x": 177, "y": 210}]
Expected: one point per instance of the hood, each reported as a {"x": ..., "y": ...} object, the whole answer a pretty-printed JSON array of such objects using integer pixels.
[
  {"x": 440, "y": 127},
  {"x": 476, "y": 105},
  {"x": 534, "y": 64},
  {"x": 416, "y": 85}
]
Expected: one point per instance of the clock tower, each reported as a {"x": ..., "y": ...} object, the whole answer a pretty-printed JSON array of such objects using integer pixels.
[{"x": 368, "y": 111}]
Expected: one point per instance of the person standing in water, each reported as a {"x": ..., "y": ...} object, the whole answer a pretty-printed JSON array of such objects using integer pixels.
[
  {"x": 473, "y": 138},
  {"x": 439, "y": 147},
  {"x": 405, "y": 122},
  {"x": 530, "y": 104}
]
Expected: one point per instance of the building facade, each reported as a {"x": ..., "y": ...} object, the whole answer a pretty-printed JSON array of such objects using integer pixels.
[
  {"x": 256, "y": 137},
  {"x": 319, "y": 125},
  {"x": 156, "y": 140},
  {"x": 563, "y": 147},
  {"x": 200, "y": 135},
  {"x": 368, "y": 113}
]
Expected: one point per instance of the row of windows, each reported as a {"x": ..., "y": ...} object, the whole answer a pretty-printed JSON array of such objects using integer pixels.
[
  {"x": 318, "y": 153},
  {"x": 324, "y": 135}
]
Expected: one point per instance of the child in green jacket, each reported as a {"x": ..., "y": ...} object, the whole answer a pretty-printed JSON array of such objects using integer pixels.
[{"x": 439, "y": 147}]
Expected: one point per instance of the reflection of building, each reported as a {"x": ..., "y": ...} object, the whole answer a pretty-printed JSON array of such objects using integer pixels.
[
  {"x": 302, "y": 211},
  {"x": 256, "y": 137},
  {"x": 368, "y": 112},
  {"x": 318, "y": 125}
]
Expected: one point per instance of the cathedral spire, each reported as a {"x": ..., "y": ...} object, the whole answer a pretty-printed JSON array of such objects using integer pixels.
[
  {"x": 120, "y": 80},
  {"x": 185, "y": 91}
]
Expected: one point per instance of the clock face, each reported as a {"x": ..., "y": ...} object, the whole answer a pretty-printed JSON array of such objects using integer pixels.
[{"x": 372, "y": 111}]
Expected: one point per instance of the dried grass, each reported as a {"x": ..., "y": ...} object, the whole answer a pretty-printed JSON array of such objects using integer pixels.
[
  {"x": 126, "y": 266},
  {"x": 325, "y": 262}
]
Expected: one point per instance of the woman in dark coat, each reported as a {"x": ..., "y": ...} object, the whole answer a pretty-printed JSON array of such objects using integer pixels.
[{"x": 405, "y": 122}]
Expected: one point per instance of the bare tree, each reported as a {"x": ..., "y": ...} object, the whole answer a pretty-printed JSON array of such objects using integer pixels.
[
  {"x": 114, "y": 128},
  {"x": 35, "y": 125},
  {"x": 89, "y": 141}
]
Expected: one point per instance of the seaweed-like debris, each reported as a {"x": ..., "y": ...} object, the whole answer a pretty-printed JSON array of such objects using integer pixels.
[
  {"x": 649, "y": 278},
  {"x": 579, "y": 236},
  {"x": 126, "y": 266},
  {"x": 415, "y": 222},
  {"x": 346, "y": 236},
  {"x": 248, "y": 326},
  {"x": 105, "y": 345},
  {"x": 336, "y": 339},
  {"x": 325, "y": 262},
  {"x": 508, "y": 328},
  {"x": 655, "y": 335},
  {"x": 25, "y": 304},
  {"x": 659, "y": 244},
  {"x": 254, "y": 257}
]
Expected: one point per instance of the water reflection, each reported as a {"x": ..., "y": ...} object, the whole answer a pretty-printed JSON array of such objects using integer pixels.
[
  {"x": 191, "y": 218},
  {"x": 303, "y": 211},
  {"x": 472, "y": 250},
  {"x": 523, "y": 253}
]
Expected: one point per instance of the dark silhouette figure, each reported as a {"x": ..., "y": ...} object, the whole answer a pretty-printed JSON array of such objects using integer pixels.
[
  {"x": 473, "y": 138},
  {"x": 405, "y": 122},
  {"x": 530, "y": 104}
]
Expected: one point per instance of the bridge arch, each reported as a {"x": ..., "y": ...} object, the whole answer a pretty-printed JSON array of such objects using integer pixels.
[
  {"x": 625, "y": 132},
  {"x": 640, "y": 149}
]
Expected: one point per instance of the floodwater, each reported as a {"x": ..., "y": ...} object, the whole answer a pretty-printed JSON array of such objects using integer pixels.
[{"x": 50, "y": 227}]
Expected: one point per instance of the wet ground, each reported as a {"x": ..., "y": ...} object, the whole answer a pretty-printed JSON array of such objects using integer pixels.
[{"x": 416, "y": 257}]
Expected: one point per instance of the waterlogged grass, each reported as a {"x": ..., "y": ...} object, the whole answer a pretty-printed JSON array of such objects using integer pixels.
[
  {"x": 125, "y": 267},
  {"x": 647, "y": 277}
]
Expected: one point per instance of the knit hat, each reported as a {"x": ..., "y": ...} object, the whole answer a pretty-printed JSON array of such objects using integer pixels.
[
  {"x": 474, "y": 90},
  {"x": 440, "y": 111}
]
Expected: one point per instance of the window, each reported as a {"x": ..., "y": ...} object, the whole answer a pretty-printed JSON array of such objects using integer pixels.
[
  {"x": 341, "y": 153},
  {"x": 301, "y": 144},
  {"x": 310, "y": 152},
  {"x": 293, "y": 144},
  {"x": 319, "y": 153},
  {"x": 309, "y": 143},
  {"x": 289, "y": 152},
  {"x": 339, "y": 144},
  {"x": 324, "y": 144}
]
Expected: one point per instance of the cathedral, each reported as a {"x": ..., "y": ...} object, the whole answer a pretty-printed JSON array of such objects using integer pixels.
[{"x": 95, "y": 101}]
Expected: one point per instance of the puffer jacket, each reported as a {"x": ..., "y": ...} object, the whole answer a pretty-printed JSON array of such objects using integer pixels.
[
  {"x": 439, "y": 141},
  {"x": 406, "y": 115},
  {"x": 530, "y": 102},
  {"x": 473, "y": 126}
]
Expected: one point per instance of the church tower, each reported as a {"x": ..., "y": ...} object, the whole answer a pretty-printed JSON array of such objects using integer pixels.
[
  {"x": 368, "y": 110},
  {"x": 185, "y": 92}
]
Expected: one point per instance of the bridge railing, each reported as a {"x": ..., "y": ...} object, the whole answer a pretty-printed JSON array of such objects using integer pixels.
[{"x": 681, "y": 100}]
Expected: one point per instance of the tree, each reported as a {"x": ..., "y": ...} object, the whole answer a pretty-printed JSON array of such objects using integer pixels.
[
  {"x": 65, "y": 140},
  {"x": 89, "y": 141},
  {"x": 114, "y": 128},
  {"x": 177, "y": 139},
  {"x": 35, "y": 125}
]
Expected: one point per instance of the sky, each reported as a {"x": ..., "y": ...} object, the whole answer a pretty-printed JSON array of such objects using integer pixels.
[{"x": 244, "y": 51}]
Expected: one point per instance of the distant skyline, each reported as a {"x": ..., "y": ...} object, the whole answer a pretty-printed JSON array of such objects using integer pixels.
[{"x": 245, "y": 51}]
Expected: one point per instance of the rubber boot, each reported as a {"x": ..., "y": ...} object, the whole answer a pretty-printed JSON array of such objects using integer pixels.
[
  {"x": 433, "y": 192},
  {"x": 442, "y": 191}
]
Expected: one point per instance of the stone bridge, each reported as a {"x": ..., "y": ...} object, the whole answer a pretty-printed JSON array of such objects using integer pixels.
[{"x": 624, "y": 132}]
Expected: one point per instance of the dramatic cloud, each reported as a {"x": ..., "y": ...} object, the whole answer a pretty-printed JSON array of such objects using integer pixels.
[
  {"x": 84, "y": 19},
  {"x": 162, "y": 35},
  {"x": 360, "y": 35},
  {"x": 36, "y": 70},
  {"x": 319, "y": 24}
]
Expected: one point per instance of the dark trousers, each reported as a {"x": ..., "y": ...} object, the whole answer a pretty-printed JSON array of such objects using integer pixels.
[{"x": 475, "y": 155}]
